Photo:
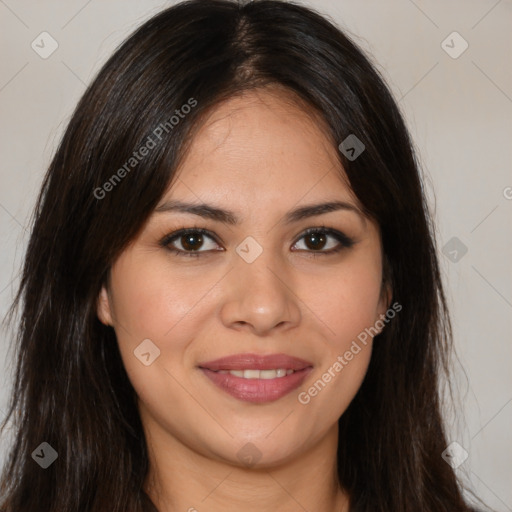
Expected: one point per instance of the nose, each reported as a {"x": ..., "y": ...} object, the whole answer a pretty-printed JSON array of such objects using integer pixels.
[{"x": 259, "y": 297}]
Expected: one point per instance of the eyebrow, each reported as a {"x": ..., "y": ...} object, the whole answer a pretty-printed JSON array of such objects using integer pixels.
[{"x": 228, "y": 217}]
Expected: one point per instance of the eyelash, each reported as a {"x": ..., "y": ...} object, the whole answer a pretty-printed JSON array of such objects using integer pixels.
[{"x": 345, "y": 242}]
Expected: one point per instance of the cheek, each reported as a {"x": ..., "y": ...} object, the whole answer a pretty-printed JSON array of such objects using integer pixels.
[
  {"x": 349, "y": 313},
  {"x": 351, "y": 301},
  {"x": 154, "y": 304},
  {"x": 349, "y": 308},
  {"x": 151, "y": 298},
  {"x": 145, "y": 307}
]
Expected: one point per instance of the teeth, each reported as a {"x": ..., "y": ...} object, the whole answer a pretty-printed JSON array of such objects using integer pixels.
[{"x": 258, "y": 374}]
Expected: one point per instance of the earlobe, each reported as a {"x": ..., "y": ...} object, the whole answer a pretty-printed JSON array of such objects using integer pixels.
[{"x": 103, "y": 307}]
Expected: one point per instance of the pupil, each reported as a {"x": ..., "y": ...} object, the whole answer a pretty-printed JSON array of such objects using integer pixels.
[
  {"x": 188, "y": 241},
  {"x": 317, "y": 240}
]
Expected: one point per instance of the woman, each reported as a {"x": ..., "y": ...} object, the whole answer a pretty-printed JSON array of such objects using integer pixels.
[{"x": 231, "y": 298}]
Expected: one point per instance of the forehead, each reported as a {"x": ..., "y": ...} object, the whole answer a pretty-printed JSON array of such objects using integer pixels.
[{"x": 264, "y": 144}]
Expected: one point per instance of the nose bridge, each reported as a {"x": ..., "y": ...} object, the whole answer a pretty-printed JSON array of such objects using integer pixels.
[
  {"x": 258, "y": 293},
  {"x": 261, "y": 274}
]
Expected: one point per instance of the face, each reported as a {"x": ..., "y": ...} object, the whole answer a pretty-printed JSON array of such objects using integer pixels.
[{"x": 260, "y": 278}]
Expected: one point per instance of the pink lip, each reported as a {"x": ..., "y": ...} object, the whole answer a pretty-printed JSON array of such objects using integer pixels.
[
  {"x": 256, "y": 362},
  {"x": 257, "y": 390}
]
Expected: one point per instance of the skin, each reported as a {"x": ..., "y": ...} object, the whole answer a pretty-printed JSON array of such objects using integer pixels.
[{"x": 259, "y": 155}]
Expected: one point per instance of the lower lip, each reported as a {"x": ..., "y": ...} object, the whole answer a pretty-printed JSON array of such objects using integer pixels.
[{"x": 257, "y": 391}]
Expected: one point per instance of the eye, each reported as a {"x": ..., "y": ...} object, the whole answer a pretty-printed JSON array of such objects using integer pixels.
[
  {"x": 190, "y": 242},
  {"x": 324, "y": 241},
  {"x": 194, "y": 241}
]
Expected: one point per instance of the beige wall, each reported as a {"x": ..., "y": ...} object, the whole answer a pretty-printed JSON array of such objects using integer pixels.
[{"x": 459, "y": 111}]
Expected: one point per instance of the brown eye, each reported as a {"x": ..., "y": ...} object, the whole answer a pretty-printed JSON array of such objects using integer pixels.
[
  {"x": 315, "y": 241},
  {"x": 190, "y": 242},
  {"x": 323, "y": 241}
]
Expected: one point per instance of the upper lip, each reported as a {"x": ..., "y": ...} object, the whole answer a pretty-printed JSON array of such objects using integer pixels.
[{"x": 256, "y": 362}]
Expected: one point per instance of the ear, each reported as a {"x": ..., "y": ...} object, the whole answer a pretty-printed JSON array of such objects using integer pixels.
[
  {"x": 103, "y": 309},
  {"x": 386, "y": 296},
  {"x": 384, "y": 304},
  {"x": 386, "y": 292}
]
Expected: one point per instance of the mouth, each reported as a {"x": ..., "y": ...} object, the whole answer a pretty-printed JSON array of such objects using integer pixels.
[{"x": 255, "y": 378}]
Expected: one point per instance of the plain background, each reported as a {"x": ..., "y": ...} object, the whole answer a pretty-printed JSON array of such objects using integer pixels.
[{"x": 458, "y": 110}]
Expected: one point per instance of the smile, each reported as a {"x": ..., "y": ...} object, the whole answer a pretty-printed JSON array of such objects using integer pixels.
[{"x": 257, "y": 378}]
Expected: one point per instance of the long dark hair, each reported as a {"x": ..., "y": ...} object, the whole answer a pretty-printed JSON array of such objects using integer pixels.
[{"x": 71, "y": 389}]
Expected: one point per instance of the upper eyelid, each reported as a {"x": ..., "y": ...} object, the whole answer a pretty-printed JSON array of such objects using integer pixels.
[{"x": 180, "y": 232}]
